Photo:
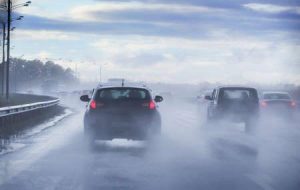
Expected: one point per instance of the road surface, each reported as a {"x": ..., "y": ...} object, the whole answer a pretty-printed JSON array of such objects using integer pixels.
[{"x": 186, "y": 156}]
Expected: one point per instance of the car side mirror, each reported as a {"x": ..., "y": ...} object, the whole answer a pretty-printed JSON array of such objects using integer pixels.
[
  {"x": 85, "y": 98},
  {"x": 207, "y": 97},
  {"x": 158, "y": 99}
]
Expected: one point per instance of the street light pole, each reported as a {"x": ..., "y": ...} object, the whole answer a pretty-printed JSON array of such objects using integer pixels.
[
  {"x": 8, "y": 46},
  {"x": 100, "y": 73},
  {"x": 3, "y": 57},
  {"x": 101, "y": 69},
  {"x": 9, "y": 7},
  {"x": 15, "y": 71}
]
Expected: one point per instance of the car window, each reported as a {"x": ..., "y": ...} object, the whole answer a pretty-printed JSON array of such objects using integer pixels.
[
  {"x": 112, "y": 94},
  {"x": 214, "y": 94},
  {"x": 277, "y": 96},
  {"x": 238, "y": 94}
]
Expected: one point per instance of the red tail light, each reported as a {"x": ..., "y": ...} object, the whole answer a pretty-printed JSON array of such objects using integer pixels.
[
  {"x": 93, "y": 104},
  {"x": 263, "y": 104},
  {"x": 152, "y": 105},
  {"x": 293, "y": 104}
]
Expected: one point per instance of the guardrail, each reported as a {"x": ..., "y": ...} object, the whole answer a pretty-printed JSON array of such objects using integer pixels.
[{"x": 13, "y": 110}]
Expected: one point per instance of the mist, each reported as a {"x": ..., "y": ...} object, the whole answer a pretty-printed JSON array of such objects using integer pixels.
[
  {"x": 150, "y": 95},
  {"x": 190, "y": 153}
]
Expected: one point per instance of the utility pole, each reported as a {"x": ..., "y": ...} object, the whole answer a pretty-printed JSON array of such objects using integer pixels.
[
  {"x": 100, "y": 74},
  {"x": 8, "y": 7},
  {"x": 100, "y": 69},
  {"x": 76, "y": 69},
  {"x": 15, "y": 71},
  {"x": 8, "y": 46},
  {"x": 3, "y": 57}
]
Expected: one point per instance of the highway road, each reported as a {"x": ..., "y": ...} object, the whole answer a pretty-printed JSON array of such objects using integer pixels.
[{"x": 188, "y": 155}]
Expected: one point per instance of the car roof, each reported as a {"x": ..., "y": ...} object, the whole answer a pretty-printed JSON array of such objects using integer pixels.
[
  {"x": 235, "y": 86},
  {"x": 275, "y": 92},
  {"x": 125, "y": 86}
]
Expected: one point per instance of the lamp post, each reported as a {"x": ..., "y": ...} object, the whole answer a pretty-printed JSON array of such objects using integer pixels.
[
  {"x": 15, "y": 72},
  {"x": 9, "y": 7},
  {"x": 100, "y": 73},
  {"x": 3, "y": 58},
  {"x": 3, "y": 68},
  {"x": 8, "y": 46}
]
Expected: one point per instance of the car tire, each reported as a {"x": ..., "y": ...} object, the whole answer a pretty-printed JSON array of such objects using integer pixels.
[
  {"x": 89, "y": 139},
  {"x": 154, "y": 130},
  {"x": 250, "y": 126},
  {"x": 210, "y": 121},
  {"x": 208, "y": 117}
]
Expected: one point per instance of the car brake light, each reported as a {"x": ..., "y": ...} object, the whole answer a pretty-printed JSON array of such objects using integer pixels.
[
  {"x": 93, "y": 105},
  {"x": 152, "y": 105},
  {"x": 293, "y": 104},
  {"x": 263, "y": 104}
]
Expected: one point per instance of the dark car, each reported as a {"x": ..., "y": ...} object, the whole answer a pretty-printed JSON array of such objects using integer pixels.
[
  {"x": 121, "y": 112},
  {"x": 237, "y": 104},
  {"x": 278, "y": 103}
]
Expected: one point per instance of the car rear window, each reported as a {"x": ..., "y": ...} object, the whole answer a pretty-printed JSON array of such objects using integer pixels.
[
  {"x": 277, "y": 96},
  {"x": 238, "y": 94},
  {"x": 126, "y": 94}
]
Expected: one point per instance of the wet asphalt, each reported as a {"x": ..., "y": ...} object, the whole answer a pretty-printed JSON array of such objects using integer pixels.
[{"x": 188, "y": 155}]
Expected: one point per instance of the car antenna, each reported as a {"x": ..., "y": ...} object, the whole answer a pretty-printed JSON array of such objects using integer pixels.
[{"x": 122, "y": 82}]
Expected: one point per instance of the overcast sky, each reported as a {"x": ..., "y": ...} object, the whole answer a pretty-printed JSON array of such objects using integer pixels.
[{"x": 181, "y": 41}]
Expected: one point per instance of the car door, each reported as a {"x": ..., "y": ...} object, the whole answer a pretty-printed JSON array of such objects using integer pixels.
[{"x": 211, "y": 106}]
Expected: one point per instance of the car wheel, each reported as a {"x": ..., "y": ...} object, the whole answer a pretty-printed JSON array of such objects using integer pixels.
[
  {"x": 154, "y": 130},
  {"x": 208, "y": 117},
  {"x": 89, "y": 138},
  {"x": 210, "y": 121},
  {"x": 250, "y": 126}
]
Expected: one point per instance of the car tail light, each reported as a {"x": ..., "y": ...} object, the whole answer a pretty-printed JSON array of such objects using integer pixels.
[
  {"x": 293, "y": 104},
  {"x": 93, "y": 104},
  {"x": 151, "y": 105},
  {"x": 263, "y": 104}
]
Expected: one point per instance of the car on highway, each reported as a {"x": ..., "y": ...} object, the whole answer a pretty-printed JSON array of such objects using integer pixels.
[
  {"x": 280, "y": 104},
  {"x": 127, "y": 112},
  {"x": 201, "y": 98},
  {"x": 234, "y": 103}
]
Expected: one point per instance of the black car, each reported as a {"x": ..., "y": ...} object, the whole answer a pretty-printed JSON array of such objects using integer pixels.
[
  {"x": 121, "y": 112},
  {"x": 237, "y": 104}
]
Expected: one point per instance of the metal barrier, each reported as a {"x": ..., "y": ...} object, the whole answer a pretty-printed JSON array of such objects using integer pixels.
[{"x": 13, "y": 110}]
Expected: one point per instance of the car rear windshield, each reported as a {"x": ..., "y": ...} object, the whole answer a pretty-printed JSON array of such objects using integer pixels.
[
  {"x": 122, "y": 94},
  {"x": 276, "y": 96},
  {"x": 238, "y": 94}
]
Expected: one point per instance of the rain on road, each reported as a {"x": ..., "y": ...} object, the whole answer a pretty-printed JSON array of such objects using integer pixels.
[{"x": 188, "y": 155}]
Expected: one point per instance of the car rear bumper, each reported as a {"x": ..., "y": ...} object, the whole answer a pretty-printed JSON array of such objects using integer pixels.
[
  {"x": 108, "y": 127},
  {"x": 281, "y": 113},
  {"x": 111, "y": 133},
  {"x": 238, "y": 117}
]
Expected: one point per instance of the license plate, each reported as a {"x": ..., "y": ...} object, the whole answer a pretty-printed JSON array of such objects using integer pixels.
[{"x": 118, "y": 124}]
